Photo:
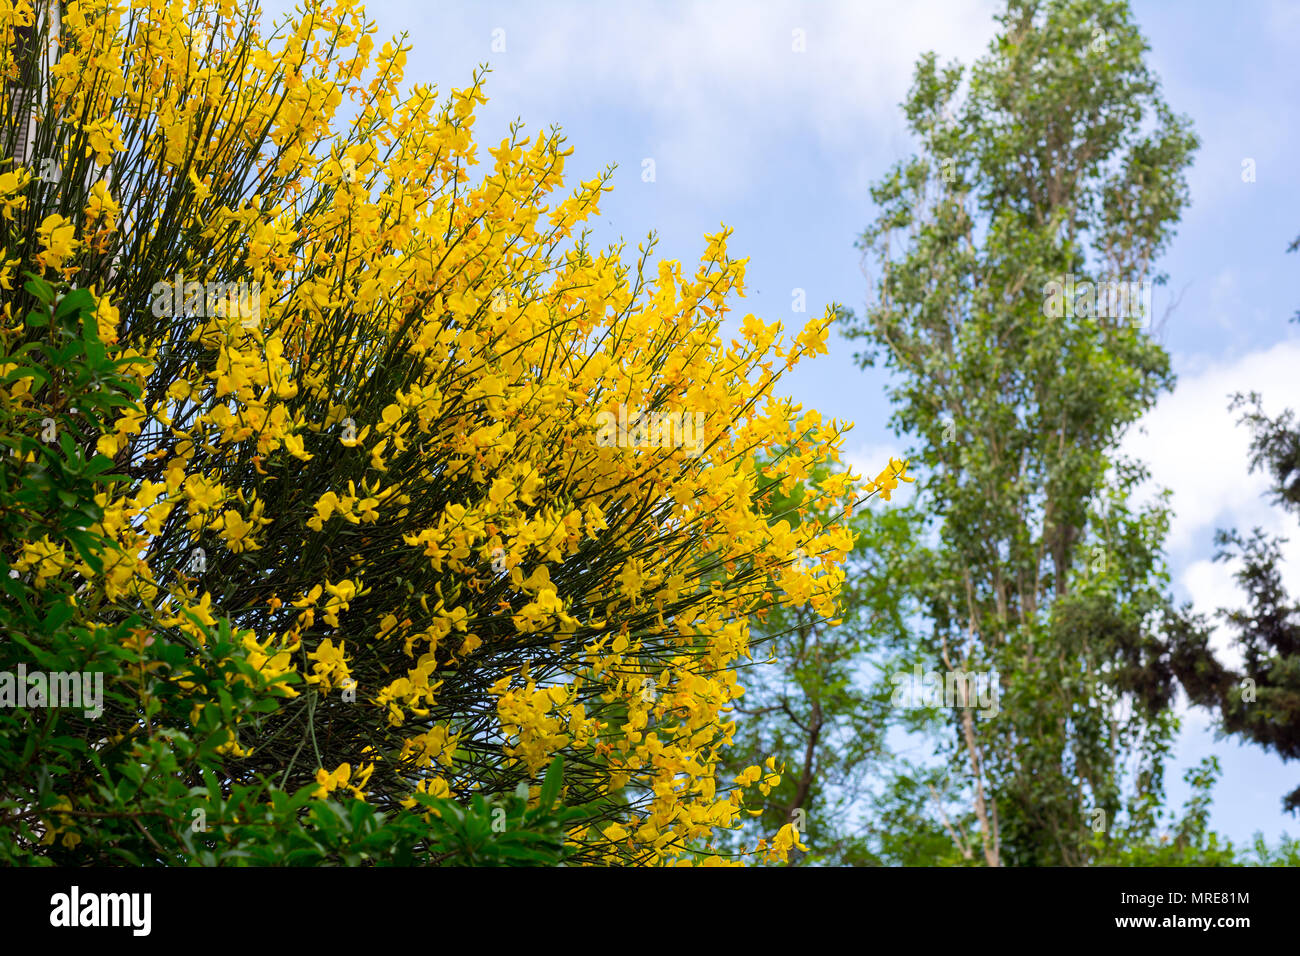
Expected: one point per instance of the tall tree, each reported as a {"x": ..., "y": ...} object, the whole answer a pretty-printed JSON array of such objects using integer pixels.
[{"x": 1016, "y": 253}]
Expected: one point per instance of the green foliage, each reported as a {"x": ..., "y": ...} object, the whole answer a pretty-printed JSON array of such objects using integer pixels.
[
  {"x": 53, "y": 494},
  {"x": 1286, "y": 853},
  {"x": 1155, "y": 838},
  {"x": 809, "y": 700},
  {"x": 144, "y": 781},
  {"x": 915, "y": 823},
  {"x": 1059, "y": 163}
]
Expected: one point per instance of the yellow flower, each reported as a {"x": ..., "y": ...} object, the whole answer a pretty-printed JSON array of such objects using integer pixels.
[
  {"x": 888, "y": 479},
  {"x": 294, "y": 444},
  {"x": 11, "y": 183},
  {"x": 203, "y": 495},
  {"x": 237, "y": 532},
  {"x": 331, "y": 667},
  {"x": 103, "y": 139},
  {"x": 58, "y": 241},
  {"x": 329, "y": 782},
  {"x": 786, "y": 839},
  {"x": 101, "y": 208},
  {"x": 324, "y": 506},
  {"x": 341, "y": 778}
]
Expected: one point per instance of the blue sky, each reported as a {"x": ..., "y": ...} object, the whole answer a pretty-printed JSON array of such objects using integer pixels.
[{"x": 782, "y": 145}]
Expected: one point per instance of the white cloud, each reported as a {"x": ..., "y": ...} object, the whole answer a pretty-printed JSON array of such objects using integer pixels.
[
  {"x": 717, "y": 85},
  {"x": 1194, "y": 446},
  {"x": 1211, "y": 585}
]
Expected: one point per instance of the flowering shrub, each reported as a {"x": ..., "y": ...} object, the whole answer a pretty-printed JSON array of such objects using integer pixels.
[{"x": 381, "y": 474}]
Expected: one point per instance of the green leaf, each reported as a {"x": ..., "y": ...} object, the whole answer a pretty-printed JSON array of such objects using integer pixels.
[
  {"x": 39, "y": 288},
  {"x": 26, "y": 371},
  {"x": 78, "y": 300},
  {"x": 552, "y": 783}
]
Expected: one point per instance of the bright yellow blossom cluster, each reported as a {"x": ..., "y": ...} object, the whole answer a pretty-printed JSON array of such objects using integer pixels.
[
  {"x": 391, "y": 475},
  {"x": 342, "y": 779}
]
